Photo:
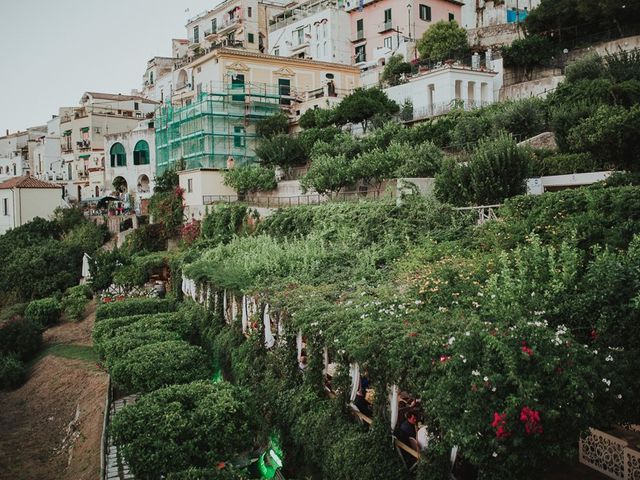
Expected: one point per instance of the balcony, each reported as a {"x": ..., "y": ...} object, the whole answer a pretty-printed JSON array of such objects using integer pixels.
[
  {"x": 229, "y": 25},
  {"x": 358, "y": 37},
  {"x": 385, "y": 27},
  {"x": 298, "y": 46},
  {"x": 84, "y": 145}
]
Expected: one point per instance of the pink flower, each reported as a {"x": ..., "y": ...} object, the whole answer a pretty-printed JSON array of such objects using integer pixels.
[
  {"x": 531, "y": 420},
  {"x": 500, "y": 424}
]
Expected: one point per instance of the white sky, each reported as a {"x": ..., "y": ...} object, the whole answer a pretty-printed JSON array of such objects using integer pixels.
[{"x": 52, "y": 51}]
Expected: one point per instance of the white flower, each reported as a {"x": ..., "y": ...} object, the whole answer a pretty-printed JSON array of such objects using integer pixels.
[
  {"x": 495, "y": 454},
  {"x": 442, "y": 309},
  {"x": 619, "y": 396},
  {"x": 480, "y": 294},
  {"x": 609, "y": 358},
  {"x": 595, "y": 352},
  {"x": 418, "y": 302},
  {"x": 486, "y": 379},
  {"x": 451, "y": 340},
  {"x": 467, "y": 334},
  {"x": 475, "y": 304},
  {"x": 493, "y": 296},
  {"x": 607, "y": 382},
  {"x": 493, "y": 389},
  {"x": 475, "y": 373}
]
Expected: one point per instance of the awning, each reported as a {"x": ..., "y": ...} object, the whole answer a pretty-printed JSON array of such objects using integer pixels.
[
  {"x": 84, "y": 129},
  {"x": 84, "y": 156}
]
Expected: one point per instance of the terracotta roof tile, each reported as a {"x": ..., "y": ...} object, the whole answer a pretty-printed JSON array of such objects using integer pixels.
[{"x": 26, "y": 182}]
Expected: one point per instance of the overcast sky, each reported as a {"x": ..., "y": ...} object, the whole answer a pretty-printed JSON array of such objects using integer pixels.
[{"x": 55, "y": 50}]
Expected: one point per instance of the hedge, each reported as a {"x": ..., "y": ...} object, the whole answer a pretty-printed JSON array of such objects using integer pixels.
[
  {"x": 116, "y": 347},
  {"x": 134, "y": 306},
  {"x": 20, "y": 337},
  {"x": 12, "y": 372},
  {"x": 107, "y": 329},
  {"x": 45, "y": 312},
  {"x": 157, "y": 365}
]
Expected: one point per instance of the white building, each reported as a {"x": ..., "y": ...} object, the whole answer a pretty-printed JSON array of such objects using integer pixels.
[
  {"x": 232, "y": 23},
  {"x": 315, "y": 29},
  {"x": 131, "y": 163},
  {"x": 436, "y": 92},
  {"x": 157, "y": 82},
  {"x": 48, "y": 164},
  {"x": 17, "y": 151},
  {"x": 486, "y": 13},
  {"x": 82, "y": 136},
  {"x": 24, "y": 198}
]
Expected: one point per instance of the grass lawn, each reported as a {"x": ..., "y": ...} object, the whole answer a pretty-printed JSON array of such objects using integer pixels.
[{"x": 71, "y": 352}]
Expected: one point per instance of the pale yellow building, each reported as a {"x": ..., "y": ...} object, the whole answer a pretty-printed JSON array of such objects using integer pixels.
[{"x": 24, "y": 198}]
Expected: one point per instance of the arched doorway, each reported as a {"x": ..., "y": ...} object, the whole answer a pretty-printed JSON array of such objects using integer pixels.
[
  {"x": 97, "y": 191},
  {"x": 141, "y": 153},
  {"x": 143, "y": 184},
  {"x": 120, "y": 185}
]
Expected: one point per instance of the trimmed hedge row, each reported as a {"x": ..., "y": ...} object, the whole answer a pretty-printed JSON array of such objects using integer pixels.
[
  {"x": 135, "y": 306},
  {"x": 45, "y": 312}
]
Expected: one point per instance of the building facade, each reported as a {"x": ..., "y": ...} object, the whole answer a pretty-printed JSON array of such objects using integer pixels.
[
  {"x": 437, "y": 91},
  {"x": 24, "y": 198},
  {"x": 314, "y": 29},
  {"x": 130, "y": 163},
  {"x": 233, "y": 23},
  {"x": 383, "y": 28},
  {"x": 17, "y": 151},
  {"x": 82, "y": 136},
  {"x": 486, "y": 13},
  {"x": 48, "y": 164},
  {"x": 212, "y": 121}
]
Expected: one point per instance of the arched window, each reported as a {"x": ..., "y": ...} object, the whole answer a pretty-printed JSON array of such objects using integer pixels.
[
  {"x": 118, "y": 156},
  {"x": 141, "y": 153}
]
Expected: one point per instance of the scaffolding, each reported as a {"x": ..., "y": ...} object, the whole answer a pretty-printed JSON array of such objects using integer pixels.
[{"x": 216, "y": 128}]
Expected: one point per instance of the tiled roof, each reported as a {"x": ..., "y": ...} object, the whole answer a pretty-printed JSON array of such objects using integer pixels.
[{"x": 26, "y": 182}]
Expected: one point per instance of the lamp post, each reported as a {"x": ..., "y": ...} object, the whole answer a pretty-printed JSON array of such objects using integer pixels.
[{"x": 409, "y": 7}]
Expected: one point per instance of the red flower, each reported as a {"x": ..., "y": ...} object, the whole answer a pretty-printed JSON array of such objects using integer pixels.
[
  {"x": 413, "y": 334},
  {"x": 444, "y": 358},
  {"x": 500, "y": 424},
  {"x": 594, "y": 335},
  {"x": 527, "y": 350},
  {"x": 531, "y": 420},
  {"x": 106, "y": 300}
]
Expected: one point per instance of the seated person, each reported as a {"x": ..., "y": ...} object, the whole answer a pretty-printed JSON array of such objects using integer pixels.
[
  {"x": 362, "y": 404},
  {"x": 302, "y": 363},
  {"x": 407, "y": 428}
]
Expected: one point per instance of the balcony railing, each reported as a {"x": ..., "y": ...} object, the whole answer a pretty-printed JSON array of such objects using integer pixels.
[
  {"x": 229, "y": 25},
  {"x": 442, "y": 108},
  {"x": 358, "y": 37},
  {"x": 385, "y": 27},
  {"x": 84, "y": 144}
]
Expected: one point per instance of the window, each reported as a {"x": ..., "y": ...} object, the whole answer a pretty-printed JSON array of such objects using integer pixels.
[
  {"x": 189, "y": 185},
  {"x": 387, "y": 17},
  {"x": 361, "y": 54},
  {"x": 249, "y": 12},
  {"x": 118, "y": 155},
  {"x": 237, "y": 84},
  {"x": 250, "y": 37},
  {"x": 196, "y": 34},
  {"x": 284, "y": 89},
  {"x": 451, "y": 17},
  {"x": 214, "y": 25},
  {"x": 5, "y": 207},
  {"x": 388, "y": 42},
  {"x": 425, "y": 13},
  {"x": 141, "y": 153},
  {"x": 238, "y": 137},
  {"x": 276, "y": 51},
  {"x": 136, "y": 106},
  {"x": 298, "y": 36},
  {"x": 360, "y": 29},
  {"x": 198, "y": 89}
]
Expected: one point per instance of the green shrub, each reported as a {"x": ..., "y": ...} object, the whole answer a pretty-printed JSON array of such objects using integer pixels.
[
  {"x": 177, "y": 427},
  {"x": 566, "y": 163},
  {"x": 45, "y": 312},
  {"x": 148, "y": 238},
  {"x": 251, "y": 179},
  {"x": 115, "y": 348},
  {"x": 527, "y": 52},
  {"x": 108, "y": 328},
  {"x": 158, "y": 365},
  {"x": 193, "y": 473},
  {"x": 443, "y": 41},
  {"x": 74, "y": 302},
  {"x": 20, "y": 337},
  {"x": 134, "y": 306},
  {"x": 223, "y": 222},
  {"x": 12, "y": 372}
]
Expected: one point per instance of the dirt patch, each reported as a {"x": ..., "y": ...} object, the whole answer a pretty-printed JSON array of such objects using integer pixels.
[
  {"x": 73, "y": 333},
  {"x": 52, "y": 426}
]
